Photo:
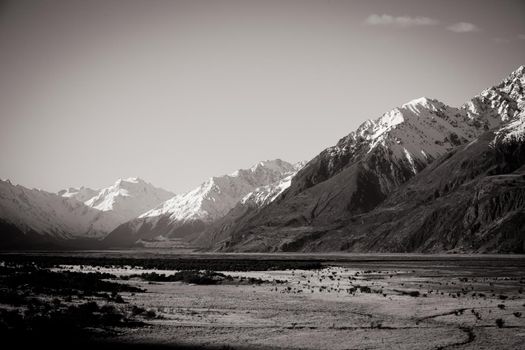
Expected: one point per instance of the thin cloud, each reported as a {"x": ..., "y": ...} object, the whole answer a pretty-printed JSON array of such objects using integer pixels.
[
  {"x": 401, "y": 21},
  {"x": 463, "y": 27},
  {"x": 521, "y": 36}
]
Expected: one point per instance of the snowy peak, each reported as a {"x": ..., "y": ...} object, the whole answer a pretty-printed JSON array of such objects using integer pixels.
[
  {"x": 501, "y": 103},
  {"x": 423, "y": 104},
  {"x": 276, "y": 166},
  {"x": 424, "y": 129},
  {"x": 266, "y": 194},
  {"x": 417, "y": 132},
  {"x": 130, "y": 182},
  {"x": 218, "y": 195},
  {"x": 406, "y": 139},
  {"x": 129, "y": 197},
  {"x": 413, "y": 112},
  {"x": 81, "y": 194}
]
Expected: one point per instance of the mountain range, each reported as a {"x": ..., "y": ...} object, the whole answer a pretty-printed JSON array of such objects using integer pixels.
[
  {"x": 189, "y": 214},
  {"x": 405, "y": 182},
  {"x": 423, "y": 177},
  {"x": 127, "y": 212}
]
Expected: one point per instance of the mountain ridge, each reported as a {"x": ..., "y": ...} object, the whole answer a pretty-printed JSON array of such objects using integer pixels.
[
  {"x": 72, "y": 214},
  {"x": 190, "y": 213},
  {"x": 411, "y": 163},
  {"x": 366, "y": 166}
]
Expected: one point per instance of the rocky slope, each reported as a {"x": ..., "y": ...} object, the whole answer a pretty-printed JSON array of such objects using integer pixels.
[
  {"x": 363, "y": 169},
  {"x": 470, "y": 200},
  {"x": 188, "y": 214}
]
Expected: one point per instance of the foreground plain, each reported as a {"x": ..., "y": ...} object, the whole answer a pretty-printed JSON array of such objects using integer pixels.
[{"x": 347, "y": 302}]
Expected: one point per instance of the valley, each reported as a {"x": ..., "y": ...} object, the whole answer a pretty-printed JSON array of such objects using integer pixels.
[
  {"x": 302, "y": 301},
  {"x": 259, "y": 175}
]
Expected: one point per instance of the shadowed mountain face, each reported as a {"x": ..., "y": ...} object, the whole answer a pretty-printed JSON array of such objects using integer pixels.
[
  {"x": 351, "y": 196},
  {"x": 470, "y": 200}
]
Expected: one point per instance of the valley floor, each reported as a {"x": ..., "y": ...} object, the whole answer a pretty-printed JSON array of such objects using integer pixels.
[
  {"x": 404, "y": 309},
  {"x": 370, "y": 303}
]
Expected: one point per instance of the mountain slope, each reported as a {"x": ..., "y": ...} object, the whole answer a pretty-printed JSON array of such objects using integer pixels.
[
  {"x": 245, "y": 208},
  {"x": 33, "y": 217},
  {"x": 190, "y": 213},
  {"x": 266, "y": 194},
  {"x": 470, "y": 200},
  {"x": 365, "y": 167},
  {"x": 46, "y": 213}
]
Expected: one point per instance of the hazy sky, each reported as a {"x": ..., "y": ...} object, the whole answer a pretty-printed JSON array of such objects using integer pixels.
[{"x": 177, "y": 91}]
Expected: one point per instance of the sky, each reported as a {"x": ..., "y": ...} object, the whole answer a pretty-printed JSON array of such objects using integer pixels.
[{"x": 175, "y": 92}]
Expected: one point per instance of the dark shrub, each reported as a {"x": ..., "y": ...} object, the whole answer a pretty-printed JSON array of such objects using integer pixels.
[
  {"x": 150, "y": 313},
  {"x": 67, "y": 283},
  {"x": 365, "y": 289}
]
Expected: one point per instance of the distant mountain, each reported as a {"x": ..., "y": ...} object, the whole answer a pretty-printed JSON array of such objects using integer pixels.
[
  {"x": 128, "y": 198},
  {"x": 72, "y": 214},
  {"x": 81, "y": 194},
  {"x": 188, "y": 214},
  {"x": 245, "y": 208},
  {"x": 423, "y": 177},
  {"x": 266, "y": 194},
  {"x": 48, "y": 214},
  {"x": 364, "y": 168}
]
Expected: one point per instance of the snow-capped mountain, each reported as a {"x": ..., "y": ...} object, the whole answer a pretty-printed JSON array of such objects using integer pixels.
[
  {"x": 215, "y": 197},
  {"x": 246, "y": 207},
  {"x": 128, "y": 198},
  {"x": 413, "y": 135},
  {"x": 190, "y": 212},
  {"x": 413, "y": 179},
  {"x": 266, "y": 194},
  {"x": 470, "y": 200},
  {"x": 363, "y": 168},
  {"x": 49, "y": 214},
  {"x": 81, "y": 194},
  {"x": 76, "y": 213},
  {"x": 503, "y": 102}
]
